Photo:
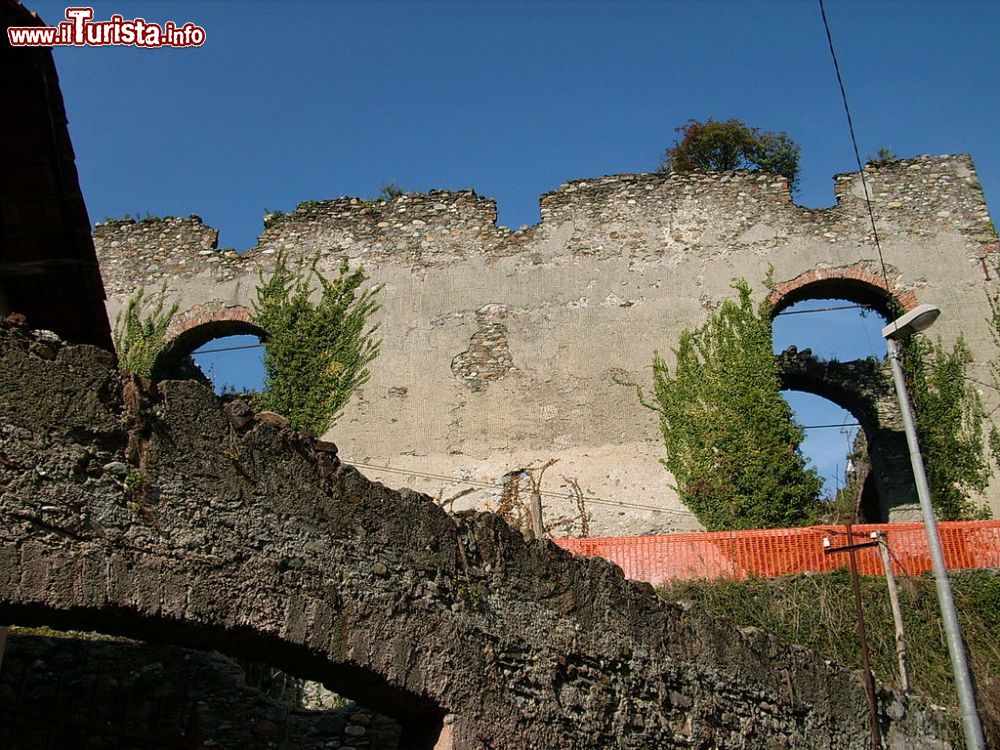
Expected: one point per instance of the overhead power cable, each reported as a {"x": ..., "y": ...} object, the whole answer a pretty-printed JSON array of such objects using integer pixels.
[
  {"x": 227, "y": 349},
  {"x": 823, "y": 309},
  {"x": 854, "y": 142},
  {"x": 829, "y": 426},
  {"x": 490, "y": 485}
]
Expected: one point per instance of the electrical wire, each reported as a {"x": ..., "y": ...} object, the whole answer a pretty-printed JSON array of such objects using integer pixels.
[
  {"x": 824, "y": 309},
  {"x": 227, "y": 349},
  {"x": 854, "y": 143},
  {"x": 491, "y": 485}
]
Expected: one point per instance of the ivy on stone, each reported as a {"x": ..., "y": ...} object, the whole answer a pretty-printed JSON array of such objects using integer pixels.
[
  {"x": 316, "y": 354},
  {"x": 731, "y": 442},
  {"x": 141, "y": 331},
  {"x": 949, "y": 417}
]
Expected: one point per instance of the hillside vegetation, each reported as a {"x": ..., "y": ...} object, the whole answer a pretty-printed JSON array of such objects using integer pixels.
[{"x": 817, "y": 611}]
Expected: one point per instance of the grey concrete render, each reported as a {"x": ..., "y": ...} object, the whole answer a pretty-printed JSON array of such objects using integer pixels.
[
  {"x": 159, "y": 513},
  {"x": 504, "y": 349}
]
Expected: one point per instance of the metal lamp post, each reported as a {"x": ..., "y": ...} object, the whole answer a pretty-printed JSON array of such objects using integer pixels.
[{"x": 917, "y": 320}]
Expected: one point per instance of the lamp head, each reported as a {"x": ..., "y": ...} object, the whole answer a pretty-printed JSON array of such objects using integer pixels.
[{"x": 917, "y": 319}]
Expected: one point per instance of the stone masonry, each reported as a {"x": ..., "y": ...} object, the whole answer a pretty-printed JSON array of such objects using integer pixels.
[
  {"x": 505, "y": 349},
  {"x": 158, "y": 513}
]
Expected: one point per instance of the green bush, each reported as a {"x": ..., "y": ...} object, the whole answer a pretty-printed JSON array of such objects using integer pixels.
[
  {"x": 883, "y": 157},
  {"x": 730, "y": 439},
  {"x": 316, "y": 353},
  {"x": 949, "y": 420},
  {"x": 390, "y": 190}
]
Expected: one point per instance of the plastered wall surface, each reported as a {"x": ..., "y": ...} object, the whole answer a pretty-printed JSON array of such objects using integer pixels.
[{"x": 503, "y": 349}]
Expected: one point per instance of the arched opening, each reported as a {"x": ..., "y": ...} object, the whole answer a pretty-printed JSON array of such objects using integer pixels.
[
  {"x": 870, "y": 293},
  {"x": 234, "y": 364},
  {"x": 863, "y": 283},
  {"x": 828, "y": 439},
  {"x": 827, "y": 338},
  {"x": 831, "y": 328},
  {"x": 135, "y": 684},
  {"x": 226, "y": 353},
  {"x": 88, "y": 690}
]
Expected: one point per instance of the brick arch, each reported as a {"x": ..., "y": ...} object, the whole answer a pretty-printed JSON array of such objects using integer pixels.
[
  {"x": 240, "y": 534},
  {"x": 199, "y": 325},
  {"x": 862, "y": 283},
  {"x": 209, "y": 312}
]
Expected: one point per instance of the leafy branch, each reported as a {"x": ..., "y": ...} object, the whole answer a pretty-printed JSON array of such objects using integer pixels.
[
  {"x": 141, "y": 331},
  {"x": 316, "y": 353},
  {"x": 731, "y": 442}
]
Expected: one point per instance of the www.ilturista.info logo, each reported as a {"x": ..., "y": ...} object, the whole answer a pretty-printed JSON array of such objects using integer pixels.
[{"x": 80, "y": 30}]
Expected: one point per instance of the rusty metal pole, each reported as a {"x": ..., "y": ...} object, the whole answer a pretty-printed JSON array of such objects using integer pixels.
[{"x": 863, "y": 639}]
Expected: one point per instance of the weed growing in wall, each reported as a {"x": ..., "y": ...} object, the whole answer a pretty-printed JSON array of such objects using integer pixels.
[
  {"x": 141, "y": 331},
  {"x": 271, "y": 217},
  {"x": 390, "y": 190},
  {"x": 316, "y": 353},
  {"x": 883, "y": 157},
  {"x": 731, "y": 442}
]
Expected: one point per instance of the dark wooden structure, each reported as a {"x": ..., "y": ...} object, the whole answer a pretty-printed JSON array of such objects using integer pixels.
[{"x": 48, "y": 267}]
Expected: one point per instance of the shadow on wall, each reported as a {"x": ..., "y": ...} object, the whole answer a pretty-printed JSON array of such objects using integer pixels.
[{"x": 90, "y": 690}]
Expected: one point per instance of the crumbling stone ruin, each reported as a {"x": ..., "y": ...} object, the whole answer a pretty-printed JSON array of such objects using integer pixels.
[{"x": 507, "y": 348}]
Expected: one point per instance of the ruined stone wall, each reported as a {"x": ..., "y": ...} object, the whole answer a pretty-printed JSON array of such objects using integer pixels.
[
  {"x": 501, "y": 349},
  {"x": 158, "y": 513}
]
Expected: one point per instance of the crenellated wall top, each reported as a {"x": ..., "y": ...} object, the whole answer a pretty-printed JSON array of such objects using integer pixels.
[{"x": 616, "y": 215}]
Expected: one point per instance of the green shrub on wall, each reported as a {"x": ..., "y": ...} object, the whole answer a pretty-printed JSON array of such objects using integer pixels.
[
  {"x": 316, "y": 353},
  {"x": 949, "y": 420},
  {"x": 141, "y": 331},
  {"x": 730, "y": 439}
]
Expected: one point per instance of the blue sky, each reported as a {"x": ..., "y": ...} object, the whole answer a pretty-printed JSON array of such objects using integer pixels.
[{"x": 297, "y": 101}]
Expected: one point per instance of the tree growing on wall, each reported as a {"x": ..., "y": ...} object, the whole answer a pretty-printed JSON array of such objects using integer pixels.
[
  {"x": 316, "y": 353},
  {"x": 732, "y": 144},
  {"x": 949, "y": 419},
  {"x": 731, "y": 443}
]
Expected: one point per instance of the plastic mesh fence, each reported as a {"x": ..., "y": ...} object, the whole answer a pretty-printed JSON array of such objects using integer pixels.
[{"x": 776, "y": 552}]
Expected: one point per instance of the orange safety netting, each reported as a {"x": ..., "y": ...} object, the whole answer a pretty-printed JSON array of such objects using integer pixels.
[{"x": 776, "y": 552}]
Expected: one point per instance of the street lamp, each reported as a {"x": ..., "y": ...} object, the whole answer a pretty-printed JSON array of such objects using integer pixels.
[{"x": 918, "y": 319}]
